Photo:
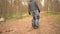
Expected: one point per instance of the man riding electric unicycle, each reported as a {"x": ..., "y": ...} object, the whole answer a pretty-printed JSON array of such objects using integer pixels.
[{"x": 33, "y": 10}]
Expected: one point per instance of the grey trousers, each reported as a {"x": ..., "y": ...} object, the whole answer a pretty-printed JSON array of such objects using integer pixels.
[{"x": 35, "y": 15}]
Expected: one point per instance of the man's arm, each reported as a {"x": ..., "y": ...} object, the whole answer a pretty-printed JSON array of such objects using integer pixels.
[
  {"x": 29, "y": 9},
  {"x": 37, "y": 7}
]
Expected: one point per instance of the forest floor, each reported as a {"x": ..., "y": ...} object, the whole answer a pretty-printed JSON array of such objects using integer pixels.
[{"x": 47, "y": 25}]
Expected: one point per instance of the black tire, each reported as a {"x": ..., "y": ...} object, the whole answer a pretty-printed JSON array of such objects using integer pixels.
[{"x": 35, "y": 26}]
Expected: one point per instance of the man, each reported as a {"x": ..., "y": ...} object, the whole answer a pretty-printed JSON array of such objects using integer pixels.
[{"x": 33, "y": 10}]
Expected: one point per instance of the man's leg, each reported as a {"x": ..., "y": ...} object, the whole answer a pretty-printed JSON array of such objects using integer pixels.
[
  {"x": 36, "y": 20},
  {"x": 35, "y": 23}
]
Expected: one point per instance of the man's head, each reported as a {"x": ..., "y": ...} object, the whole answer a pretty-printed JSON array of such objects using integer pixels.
[{"x": 31, "y": 0}]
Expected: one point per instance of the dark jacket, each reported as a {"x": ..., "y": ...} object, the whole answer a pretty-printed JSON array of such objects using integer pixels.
[{"x": 33, "y": 6}]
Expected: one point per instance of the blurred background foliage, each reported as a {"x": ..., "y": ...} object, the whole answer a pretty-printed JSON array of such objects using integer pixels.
[{"x": 19, "y": 8}]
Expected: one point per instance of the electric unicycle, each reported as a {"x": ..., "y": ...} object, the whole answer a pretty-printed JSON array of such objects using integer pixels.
[{"x": 35, "y": 23}]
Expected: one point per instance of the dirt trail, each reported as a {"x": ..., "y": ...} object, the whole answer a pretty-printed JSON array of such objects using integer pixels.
[{"x": 24, "y": 26}]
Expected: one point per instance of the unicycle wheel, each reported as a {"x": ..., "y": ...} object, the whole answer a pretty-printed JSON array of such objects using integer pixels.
[{"x": 35, "y": 26}]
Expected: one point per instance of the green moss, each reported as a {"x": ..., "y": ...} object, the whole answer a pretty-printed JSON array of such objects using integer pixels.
[
  {"x": 19, "y": 16},
  {"x": 53, "y": 13}
]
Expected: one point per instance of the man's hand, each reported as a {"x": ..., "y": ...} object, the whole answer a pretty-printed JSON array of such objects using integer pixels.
[
  {"x": 29, "y": 13},
  {"x": 39, "y": 10}
]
